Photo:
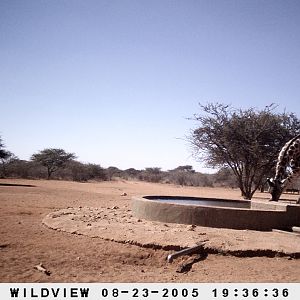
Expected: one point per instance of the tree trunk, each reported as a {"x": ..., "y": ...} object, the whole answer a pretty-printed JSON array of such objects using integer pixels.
[{"x": 49, "y": 173}]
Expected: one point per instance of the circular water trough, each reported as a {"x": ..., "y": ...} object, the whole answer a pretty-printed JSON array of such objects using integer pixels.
[{"x": 219, "y": 213}]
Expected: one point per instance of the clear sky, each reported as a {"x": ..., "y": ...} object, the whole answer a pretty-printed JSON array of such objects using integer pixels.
[{"x": 114, "y": 81}]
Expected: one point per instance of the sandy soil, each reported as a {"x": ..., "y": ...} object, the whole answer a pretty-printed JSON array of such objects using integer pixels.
[{"x": 96, "y": 239}]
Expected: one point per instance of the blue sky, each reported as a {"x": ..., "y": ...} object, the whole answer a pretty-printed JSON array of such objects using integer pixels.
[{"x": 115, "y": 81}]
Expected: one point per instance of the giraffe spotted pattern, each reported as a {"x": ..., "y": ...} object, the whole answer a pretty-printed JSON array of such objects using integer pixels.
[{"x": 287, "y": 168}]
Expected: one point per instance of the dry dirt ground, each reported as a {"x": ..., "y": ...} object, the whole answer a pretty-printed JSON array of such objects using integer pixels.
[{"x": 94, "y": 238}]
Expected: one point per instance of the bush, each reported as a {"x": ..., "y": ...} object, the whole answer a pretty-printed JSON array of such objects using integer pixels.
[{"x": 81, "y": 172}]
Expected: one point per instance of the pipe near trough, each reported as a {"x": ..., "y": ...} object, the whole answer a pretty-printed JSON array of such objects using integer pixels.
[
  {"x": 186, "y": 251},
  {"x": 296, "y": 229}
]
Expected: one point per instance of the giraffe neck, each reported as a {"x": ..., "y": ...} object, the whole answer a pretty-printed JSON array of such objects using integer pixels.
[{"x": 285, "y": 156}]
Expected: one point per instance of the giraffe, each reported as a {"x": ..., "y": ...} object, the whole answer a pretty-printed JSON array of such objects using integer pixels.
[{"x": 287, "y": 168}]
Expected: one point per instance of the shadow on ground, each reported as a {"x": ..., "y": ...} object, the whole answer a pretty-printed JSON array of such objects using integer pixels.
[{"x": 16, "y": 184}]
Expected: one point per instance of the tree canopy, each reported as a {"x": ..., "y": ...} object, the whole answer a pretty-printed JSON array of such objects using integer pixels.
[
  {"x": 5, "y": 158},
  {"x": 186, "y": 168},
  {"x": 3, "y": 153},
  {"x": 53, "y": 159},
  {"x": 247, "y": 141}
]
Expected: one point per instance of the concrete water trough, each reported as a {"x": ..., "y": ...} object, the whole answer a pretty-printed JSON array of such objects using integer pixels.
[{"x": 219, "y": 213}]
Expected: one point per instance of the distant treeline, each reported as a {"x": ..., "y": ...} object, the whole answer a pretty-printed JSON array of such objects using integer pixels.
[
  {"x": 83, "y": 172},
  {"x": 55, "y": 163}
]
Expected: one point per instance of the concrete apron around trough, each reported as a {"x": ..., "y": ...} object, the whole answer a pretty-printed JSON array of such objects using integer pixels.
[{"x": 119, "y": 225}]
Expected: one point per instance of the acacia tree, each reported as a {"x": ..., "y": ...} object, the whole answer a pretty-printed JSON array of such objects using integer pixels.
[
  {"x": 7, "y": 161},
  {"x": 185, "y": 169},
  {"x": 247, "y": 141},
  {"x": 3, "y": 153},
  {"x": 53, "y": 159},
  {"x": 6, "y": 157}
]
